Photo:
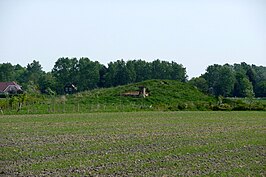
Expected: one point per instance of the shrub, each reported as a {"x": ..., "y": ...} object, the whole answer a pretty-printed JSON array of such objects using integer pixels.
[
  {"x": 182, "y": 106},
  {"x": 222, "y": 107}
]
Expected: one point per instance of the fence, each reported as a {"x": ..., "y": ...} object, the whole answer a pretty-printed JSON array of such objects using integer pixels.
[{"x": 61, "y": 108}]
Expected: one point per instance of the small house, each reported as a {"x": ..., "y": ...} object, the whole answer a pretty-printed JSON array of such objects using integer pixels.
[
  {"x": 10, "y": 88},
  {"x": 70, "y": 89}
]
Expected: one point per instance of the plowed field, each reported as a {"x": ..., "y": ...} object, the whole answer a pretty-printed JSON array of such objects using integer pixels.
[{"x": 134, "y": 144}]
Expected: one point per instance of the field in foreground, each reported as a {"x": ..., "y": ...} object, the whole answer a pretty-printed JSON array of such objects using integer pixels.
[{"x": 134, "y": 144}]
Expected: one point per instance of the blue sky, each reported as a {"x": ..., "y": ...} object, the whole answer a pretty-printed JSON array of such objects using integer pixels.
[{"x": 195, "y": 33}]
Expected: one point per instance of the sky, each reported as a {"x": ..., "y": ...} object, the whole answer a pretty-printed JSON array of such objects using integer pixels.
[{"x": 194, "y": 33}]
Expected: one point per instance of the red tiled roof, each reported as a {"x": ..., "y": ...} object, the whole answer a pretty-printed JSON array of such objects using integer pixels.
[{"x": 4, "y": 85}]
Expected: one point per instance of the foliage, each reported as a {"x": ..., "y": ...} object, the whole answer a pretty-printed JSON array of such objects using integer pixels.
[
  {"x": 220, "y": 79},
  {"x": 239, "y": 80},
  {"x": 162, "y": 93},
  {"x": 47, "y": 84},
  {"x": 86, "y": 74},
  {"x": 200, "y": 83},
  {"x": 65, "y": 71},
  {"x": 34, "y": 72},
  {"x": 260, "y": 89}
]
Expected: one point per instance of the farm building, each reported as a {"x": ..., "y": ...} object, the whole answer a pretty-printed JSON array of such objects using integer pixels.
[
  {"x": 70, "y": 88},
  {"x": 10, "y": 88}
]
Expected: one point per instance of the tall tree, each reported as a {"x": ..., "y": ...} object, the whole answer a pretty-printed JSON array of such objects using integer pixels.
[
  {"x": 47, "y": 83},
  {"x": 261, "y": 89},
  {"x": 88, "y": 74},
  {"x": 130, "y": 65},
  {"x": 102, "y": 72},
  {"x": 20, "y": 73},
  {"x": 159, "y": 70},
  {"x": 34, "y": 71},
  {"x": 65, "y": 71},
  {"x": 220, "y": 79},
  {"x": 142, "y": 70},
  {"x": 122, "y": 74},
  {"x": 200, "y": 83},
  {"x": 6, "y": 72},
  {"x": 178, "y": 72},
  {"x": 109, "y": 75}
]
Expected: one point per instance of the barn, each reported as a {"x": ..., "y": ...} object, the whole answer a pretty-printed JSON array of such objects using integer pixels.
[{"x": 10, "y": 88}]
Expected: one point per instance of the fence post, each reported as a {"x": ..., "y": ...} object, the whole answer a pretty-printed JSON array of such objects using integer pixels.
[
  {"x": 1, "y": 110},
  {"x": 48, "y": 109}
]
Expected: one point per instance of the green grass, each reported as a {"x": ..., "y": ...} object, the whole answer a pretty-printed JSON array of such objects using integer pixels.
[
  {"x": 163, "y": 95},
  {"x": 134, "y": 144},
  {"x": 164, "y": 92},
  {"x": 261, "y": 100}
]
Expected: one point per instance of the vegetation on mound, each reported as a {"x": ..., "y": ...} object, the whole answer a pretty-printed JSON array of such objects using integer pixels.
[{"x": 163, "y": 95}]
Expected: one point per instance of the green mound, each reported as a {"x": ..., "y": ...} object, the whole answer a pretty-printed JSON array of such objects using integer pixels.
[{"x": 162, "y": 94}]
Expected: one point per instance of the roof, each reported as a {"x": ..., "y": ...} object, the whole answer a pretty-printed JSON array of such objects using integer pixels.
[
  {"x": 4, "y": 85},
  {"x": 71, "y": 85}
]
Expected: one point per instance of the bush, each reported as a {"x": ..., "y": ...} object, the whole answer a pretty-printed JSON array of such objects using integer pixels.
[
  {"x": 257, "y": 106},
  {"x": 203, "y": 106},
  {"x": 182, "y": 106},
  {"x": 222, "y": 107},
  {"x": 240, "y": 107}
]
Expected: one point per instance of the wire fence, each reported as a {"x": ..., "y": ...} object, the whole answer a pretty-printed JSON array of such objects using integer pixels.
[{"x": 61, "y": 108}]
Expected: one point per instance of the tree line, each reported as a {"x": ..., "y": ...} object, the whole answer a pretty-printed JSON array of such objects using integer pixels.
[
  {"x": 86, "y": 74},
  {"x": 238, "y": 80}
]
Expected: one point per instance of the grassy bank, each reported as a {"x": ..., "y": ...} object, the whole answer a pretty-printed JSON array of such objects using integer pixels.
[
  {"x": 136, "y": 143},
  {"x": 162, "y": 95}
]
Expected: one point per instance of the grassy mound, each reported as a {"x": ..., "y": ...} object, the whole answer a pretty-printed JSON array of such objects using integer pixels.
[{"x": 163, "y": 94}]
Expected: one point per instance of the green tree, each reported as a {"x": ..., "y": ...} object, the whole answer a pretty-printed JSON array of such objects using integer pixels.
[
  {"x": 34, "y": 72},
  {"x": 102, "y": 72},
  {"x": 130, "y": 65},
  {"x": 248, "y": 88},
  {"x": 261, "y": 89},
  {"x": 65, "y": 71},
  {"x": 47, "y": 83},
  {"x": 142, "y": 70},
  {"x": 6, "y": 72},
  {"x": 88, "y": 74},
  {"x": 178, "y": 72},
  {"x": 109, "y": 75},
  {"x": 243, "y": 86},
  {"x": 260, "y": 77},
  {"x": 251, "y": 75},
  {"x": 200, "y": 83},
  {"x": 160, "y": 70},
  {"x": 122, "y": 74},
  {"x": 118, "y": 74},
  {"x": 255, "y": 74},
  {"x": 220, "y": 79},
  {"x": 19, "y": 74}
]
